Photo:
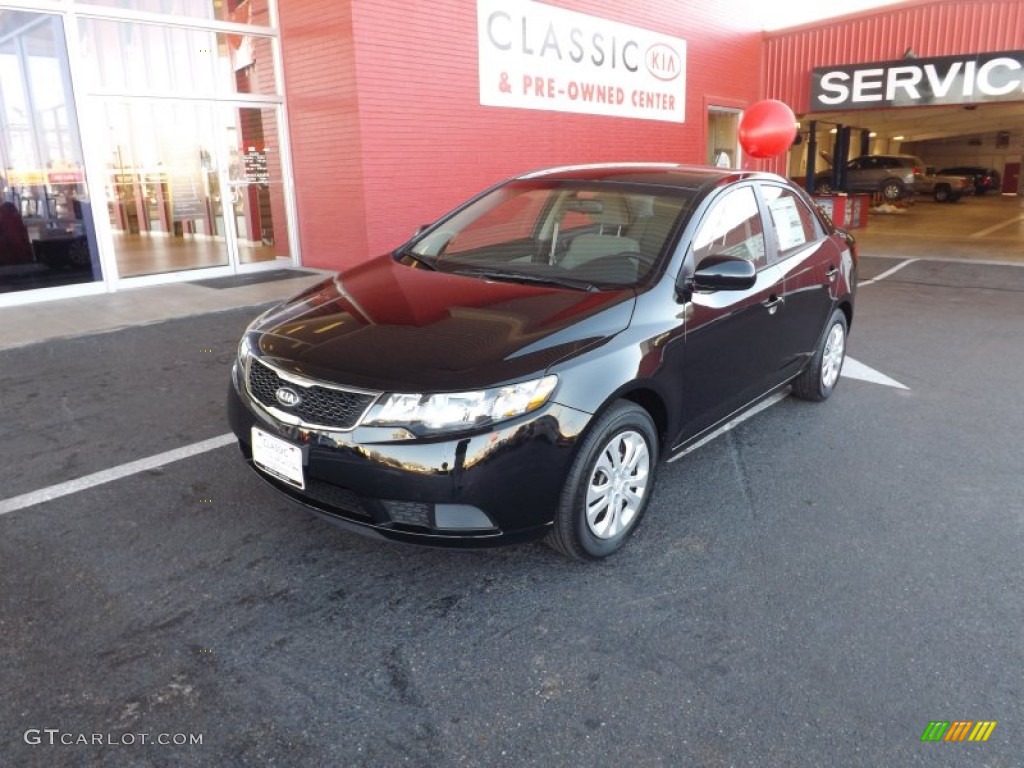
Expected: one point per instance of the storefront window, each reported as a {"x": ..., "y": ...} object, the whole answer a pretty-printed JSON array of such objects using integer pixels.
[
  {"x": 46, "y": 234},
  {"x": 238, "y": 11},
  {"x": 182, "y": 148},
  {"x": 128, "y": 57},
  {"x": 191, "y": 183}
]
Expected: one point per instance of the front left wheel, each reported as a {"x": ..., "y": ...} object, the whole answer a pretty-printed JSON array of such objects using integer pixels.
[{"x": 609, "y": 485}]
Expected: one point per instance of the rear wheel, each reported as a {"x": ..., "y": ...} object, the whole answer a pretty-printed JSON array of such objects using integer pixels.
[
  {"x": 941, "y": 193},
  {"x": 608, "y": 487},
  {"x": 821, "y": 375},
  {"x": 892, "y": 190}
]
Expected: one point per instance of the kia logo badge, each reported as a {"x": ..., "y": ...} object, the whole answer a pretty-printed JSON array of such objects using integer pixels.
[
  {"x": 663, "y": 62},
  {"x": 287, "y": 397}
]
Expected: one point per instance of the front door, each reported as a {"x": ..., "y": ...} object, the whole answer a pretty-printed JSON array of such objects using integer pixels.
[{"x": 730, "y": 350}]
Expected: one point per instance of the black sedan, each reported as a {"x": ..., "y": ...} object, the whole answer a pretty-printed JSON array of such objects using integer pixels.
[{"x": 518, "y": 369}]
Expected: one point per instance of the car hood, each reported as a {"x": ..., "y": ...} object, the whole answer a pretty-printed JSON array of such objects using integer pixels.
[{"x": 387, "y": 326}]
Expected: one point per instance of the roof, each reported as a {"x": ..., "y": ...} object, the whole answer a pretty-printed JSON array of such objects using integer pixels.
[{"x": 662, "y": 174}]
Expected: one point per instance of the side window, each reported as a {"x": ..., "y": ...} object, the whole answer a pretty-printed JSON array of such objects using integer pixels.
[
  {"x": 791, "y": 219},
  {"x": 732, "y": 227}
]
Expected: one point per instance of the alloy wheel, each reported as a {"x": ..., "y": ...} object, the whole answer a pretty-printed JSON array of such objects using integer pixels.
[
  {"x": 617, "y": 485},
  {"x": 832, "y": 359}
]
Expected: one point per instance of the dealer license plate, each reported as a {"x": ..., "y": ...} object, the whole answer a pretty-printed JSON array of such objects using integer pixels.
[{"x": 277, "y": 457}]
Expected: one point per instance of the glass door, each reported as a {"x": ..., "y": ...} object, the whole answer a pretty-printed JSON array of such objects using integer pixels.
[
  {"x": 192, "y": 185},
  {"x": 163, "y": 184},
  {"x": 256, "y": 190}
]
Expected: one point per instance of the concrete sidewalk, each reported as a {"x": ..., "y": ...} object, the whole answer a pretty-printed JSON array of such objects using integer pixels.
[{"x": 43, "y": 321}]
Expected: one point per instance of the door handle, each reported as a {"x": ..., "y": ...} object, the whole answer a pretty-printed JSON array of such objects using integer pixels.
[
  {"x": 772, "y": 303},
  {"x": 831, "y": 273}
]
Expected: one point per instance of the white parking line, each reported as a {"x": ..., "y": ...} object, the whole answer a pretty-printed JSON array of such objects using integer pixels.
[
  {"x": 887, "y": 272},
  {"x": 996, "y": 227},
  {"x": 115, "y": 473}
]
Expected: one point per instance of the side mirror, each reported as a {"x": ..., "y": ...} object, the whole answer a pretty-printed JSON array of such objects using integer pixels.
[{"x": 719, "y": 272}]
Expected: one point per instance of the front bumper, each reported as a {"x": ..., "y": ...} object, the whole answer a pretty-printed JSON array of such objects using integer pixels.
[{"x": 484, "y": 489}]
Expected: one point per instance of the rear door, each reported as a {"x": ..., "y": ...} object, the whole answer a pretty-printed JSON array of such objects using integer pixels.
[{"x": 808, "y": 260}]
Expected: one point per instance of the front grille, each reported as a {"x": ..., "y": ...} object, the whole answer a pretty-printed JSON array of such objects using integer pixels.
[
  {"x": 339, "y": 500},
  {"x": 317, "y": 406}
]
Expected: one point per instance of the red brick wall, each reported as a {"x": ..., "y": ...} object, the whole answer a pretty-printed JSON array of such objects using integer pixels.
[
  {"x": 388, "y": 133},
  {"x": 324, "y": 125},
  {"x": 930, "y": 27}
]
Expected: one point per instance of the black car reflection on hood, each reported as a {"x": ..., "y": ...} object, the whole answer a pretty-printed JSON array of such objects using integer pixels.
[{"x": 441, "y": 331}]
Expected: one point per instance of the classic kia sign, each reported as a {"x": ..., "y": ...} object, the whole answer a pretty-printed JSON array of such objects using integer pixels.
[
  {"x": 536, "y": 56},
  {"x": 966, "y": 79}
]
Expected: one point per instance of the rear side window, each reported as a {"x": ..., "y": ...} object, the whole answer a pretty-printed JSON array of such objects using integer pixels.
[{"x": 791, "y": 220}]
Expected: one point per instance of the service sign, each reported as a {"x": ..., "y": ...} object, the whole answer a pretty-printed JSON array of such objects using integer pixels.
[
  {"x": 967, "y": 79},
  {"x": 536, "y": 56}
]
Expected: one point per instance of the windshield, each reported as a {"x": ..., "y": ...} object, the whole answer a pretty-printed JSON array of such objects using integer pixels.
[{"x": 588, "y": 235}]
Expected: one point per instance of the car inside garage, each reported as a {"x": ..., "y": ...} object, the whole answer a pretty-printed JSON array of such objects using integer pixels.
[
  {"x": 952, "y": 141},
  {"x": 907, "y": 124}
]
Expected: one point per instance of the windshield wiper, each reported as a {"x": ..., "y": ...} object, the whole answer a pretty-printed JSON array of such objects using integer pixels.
[{"x": 520, "y": 277}]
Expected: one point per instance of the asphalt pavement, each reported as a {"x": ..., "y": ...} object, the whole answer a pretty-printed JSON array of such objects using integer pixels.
[{"x": 813, "y": 588}]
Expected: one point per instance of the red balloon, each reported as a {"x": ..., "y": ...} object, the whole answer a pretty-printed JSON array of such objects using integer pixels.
[{"x": 767, "y": 128}]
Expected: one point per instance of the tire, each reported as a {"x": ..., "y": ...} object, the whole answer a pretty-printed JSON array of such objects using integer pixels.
[
  {"x": 892, "y": 190},
  {"x": 624, "y": 431},
  {"x": 941, "y": 193},
  {"x": 819, "y": 378}
]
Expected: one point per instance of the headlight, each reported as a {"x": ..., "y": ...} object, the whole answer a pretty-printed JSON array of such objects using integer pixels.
[
  {"x": 461, "y": 410},
  {"x": 243, "y": 350}
]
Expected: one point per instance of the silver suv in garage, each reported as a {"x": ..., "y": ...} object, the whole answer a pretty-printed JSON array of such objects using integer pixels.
[
  {"x": 896, "y": 176},
  {"x": 893, "y": 176}
]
